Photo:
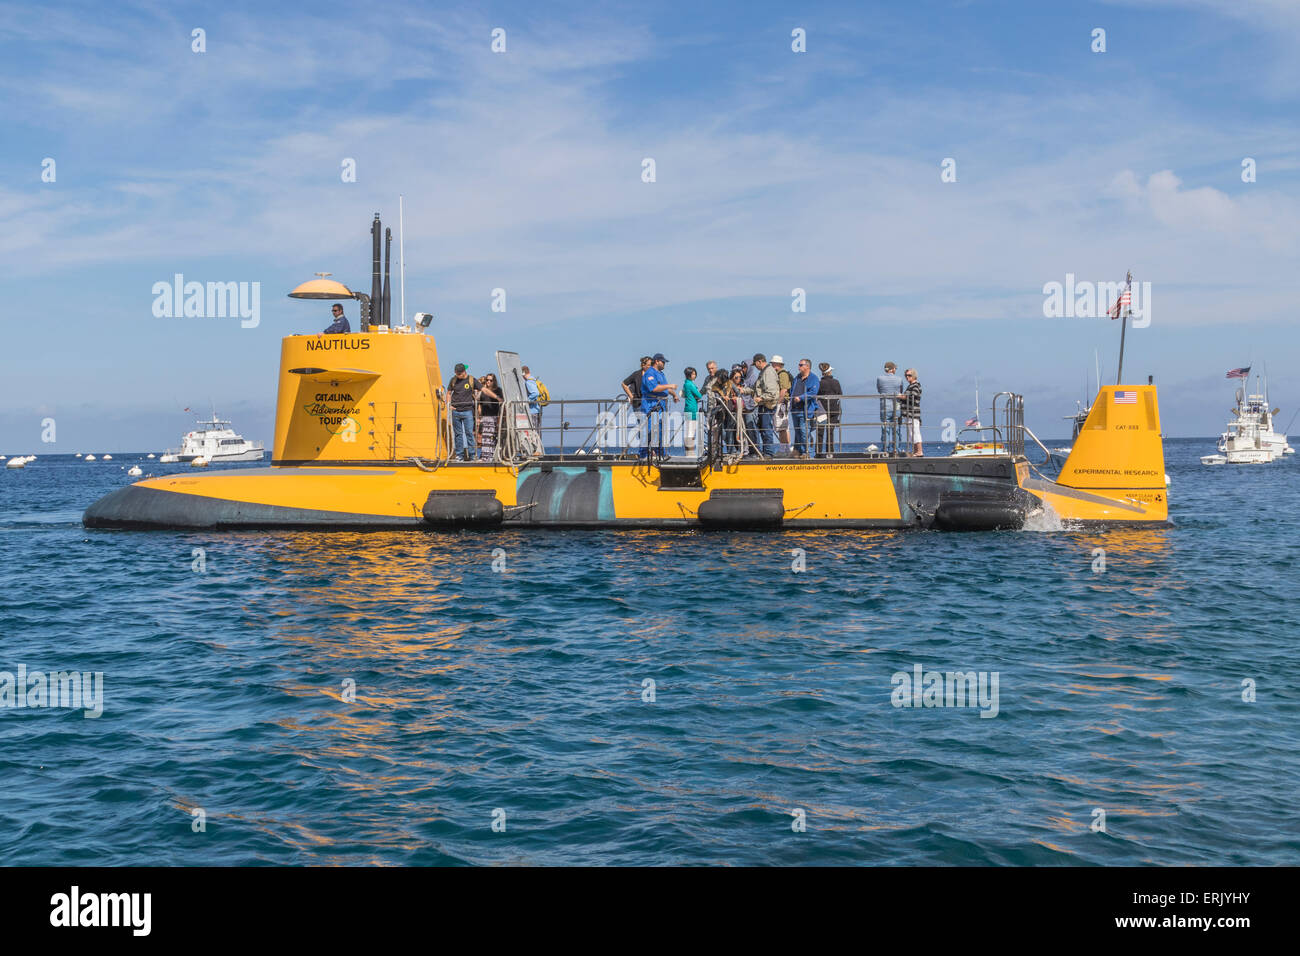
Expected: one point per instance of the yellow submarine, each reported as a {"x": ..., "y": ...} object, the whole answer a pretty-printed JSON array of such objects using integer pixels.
[{"x": 363, "y": 441}]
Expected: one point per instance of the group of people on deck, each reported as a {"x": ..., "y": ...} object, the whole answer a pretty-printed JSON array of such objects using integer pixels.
[
  {"x": 476, "y": 412},
  {"x": 756, "y": 408},
  {"x": 761, "y": 410}
]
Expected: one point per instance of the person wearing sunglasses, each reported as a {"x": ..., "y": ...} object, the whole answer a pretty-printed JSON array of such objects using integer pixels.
[
  {"x": 340, "y": 322},
  {"x": 909, "y": 412},
  {"x": 489, "y": 416}
]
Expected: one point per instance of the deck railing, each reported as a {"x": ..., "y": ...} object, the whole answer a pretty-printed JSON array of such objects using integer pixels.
[{"x": 866, "y": 425}]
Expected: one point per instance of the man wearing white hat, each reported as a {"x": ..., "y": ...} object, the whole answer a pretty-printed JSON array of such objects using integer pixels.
[{"x": 781, "y": 418}]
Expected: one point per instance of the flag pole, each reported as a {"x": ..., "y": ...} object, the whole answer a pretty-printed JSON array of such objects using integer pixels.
[{"x": 1123, "y": 327}]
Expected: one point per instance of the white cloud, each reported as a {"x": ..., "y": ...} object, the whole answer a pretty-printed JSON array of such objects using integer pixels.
[{"x": 1196, "y": 208}]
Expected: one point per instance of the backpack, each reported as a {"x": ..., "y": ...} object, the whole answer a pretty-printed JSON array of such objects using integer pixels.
[{"x": 543, "y": 394}]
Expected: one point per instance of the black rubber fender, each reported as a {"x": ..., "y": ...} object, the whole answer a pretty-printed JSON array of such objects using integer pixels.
[
  {"x": 757, "y": 508},
  {"x": 463, "y": 509},
  {"x": 980, "y": 512}
]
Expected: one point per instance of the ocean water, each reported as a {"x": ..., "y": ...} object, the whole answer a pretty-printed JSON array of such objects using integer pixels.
[{"x": 519, "y": 697}]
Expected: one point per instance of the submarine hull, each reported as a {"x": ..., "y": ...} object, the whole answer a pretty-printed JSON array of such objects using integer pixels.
[{"x": 957, "y": 494}]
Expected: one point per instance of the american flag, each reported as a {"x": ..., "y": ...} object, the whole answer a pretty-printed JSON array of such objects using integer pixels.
[
  {"x": 1124, "y": 301},
  {"x": 1238, "y": 372},
  {"x": 973, "y": 422},
  {"x": 1126, "y": 398}
]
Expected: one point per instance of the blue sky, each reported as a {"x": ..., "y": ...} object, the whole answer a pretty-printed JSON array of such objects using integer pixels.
[{"x": 522, "y": 171}]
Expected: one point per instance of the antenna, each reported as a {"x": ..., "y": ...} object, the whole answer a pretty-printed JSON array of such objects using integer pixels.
[{"x": 401, "y": 253}]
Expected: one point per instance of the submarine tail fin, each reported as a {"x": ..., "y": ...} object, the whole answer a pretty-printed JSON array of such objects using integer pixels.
[{"x": 1119, "y": 452}]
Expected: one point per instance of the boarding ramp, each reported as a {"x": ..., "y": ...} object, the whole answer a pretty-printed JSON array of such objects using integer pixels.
[{"x": 518, "y": 439}]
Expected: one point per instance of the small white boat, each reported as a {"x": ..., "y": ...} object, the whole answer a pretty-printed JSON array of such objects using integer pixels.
[
  {"x": 134, "y": 471},
  {"x": 108, "y": 458},
  {"x": 215, "y": 440},
  {"x": 150, "y": 455},
  {"x": 169, "y": 457},
  {"x": 1250, "y": 438},
  {"x": 89, "y": 458},
  {"x": 1214, "y": 459},
  {"x": 16, "y": 463},
  {"x": 78, "y": 454}
]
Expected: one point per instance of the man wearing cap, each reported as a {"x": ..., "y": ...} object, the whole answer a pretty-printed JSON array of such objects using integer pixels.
[
  {"x": 829, "y": 385},
  {"x": 654, "y": 385},
  {"x": 461, "y": 388},
  {"x": 767, "y": 391},
  {"x": 781, "y": 418}
]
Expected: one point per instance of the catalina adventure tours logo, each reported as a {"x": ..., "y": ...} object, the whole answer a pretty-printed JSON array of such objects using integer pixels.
[
  {"x": 216, "y": 300},
  {"x": 72, "y": 690},
  {"x": 1091, "y": 300}
]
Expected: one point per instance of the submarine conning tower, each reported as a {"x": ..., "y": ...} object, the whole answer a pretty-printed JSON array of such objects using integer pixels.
[{"x": 368, "y": 396}]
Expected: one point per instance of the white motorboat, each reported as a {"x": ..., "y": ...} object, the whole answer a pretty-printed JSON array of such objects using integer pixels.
[
  {"x": 16, "y": 463},
  {"x": 1250, "y": 438},
  {"x": 215, "y": 442},
  {"x": 89, "y": 458}
]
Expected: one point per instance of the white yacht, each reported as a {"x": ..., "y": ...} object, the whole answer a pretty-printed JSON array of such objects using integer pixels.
[
  {"x": 215, "y": 441},
  {"x": 1250, "y": 438}
]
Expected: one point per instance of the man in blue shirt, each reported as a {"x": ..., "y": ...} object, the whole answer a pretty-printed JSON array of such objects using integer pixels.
[
  {"x": 340, "y": 322},
  {"x": 534, "y": 408},
  {"x": 888, "y": 384},
  {"x": 803, "y": 407},
  {"x": 654, "y": 385}
]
